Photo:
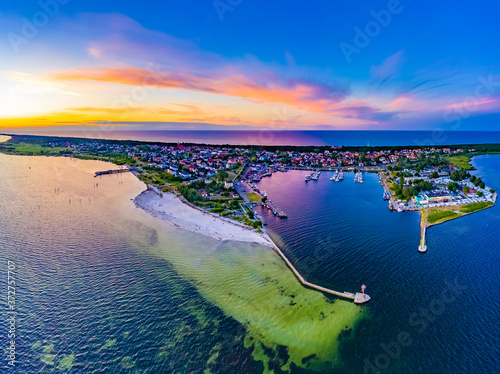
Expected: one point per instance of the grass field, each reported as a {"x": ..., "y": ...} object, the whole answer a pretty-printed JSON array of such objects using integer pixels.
[
  {"x": 31, "y": 149},
  {"x": 474, "y": 207},
  {"x": 461, "y": 162},
  {"x": 253, "y": 197},
  {"x": 441, "y": 216}
]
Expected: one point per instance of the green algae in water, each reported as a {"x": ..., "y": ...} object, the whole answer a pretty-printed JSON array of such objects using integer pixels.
[
  {"x": 36, "y": 344},
  {"x": 253, "y": 285},
  {"x": 214, "y": 354},
  {"x": 48, "y": 348},
  {"x": 48, "y": 359},
  {"x": 275, "y": 308},
  {"x": 127, "y": 362},
  {"x": 109, "y": 343},
  {"x": 285, "y": 322},
  {"x": 66, "y": 362},
  {"x": 199, "y": 314}
]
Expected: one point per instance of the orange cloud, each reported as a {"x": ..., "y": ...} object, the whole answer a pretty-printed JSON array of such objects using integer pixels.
[{"x": 302, "y": 94}]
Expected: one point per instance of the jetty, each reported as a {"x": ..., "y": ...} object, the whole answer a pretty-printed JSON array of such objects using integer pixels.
[
  {"x": 358, "y": 297},
  {"x": 422, "y": 248},
  {"x": 115, "y": 171}
]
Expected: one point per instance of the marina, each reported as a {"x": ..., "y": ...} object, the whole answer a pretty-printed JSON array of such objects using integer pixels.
[
  {"x": 338, "y": 176},
  {"x": 313, "y": 176}
]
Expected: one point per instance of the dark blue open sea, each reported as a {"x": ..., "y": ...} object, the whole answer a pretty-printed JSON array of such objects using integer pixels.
[
  {"x": 102, "y": 287},
  {"x": 268, "y": 136}
]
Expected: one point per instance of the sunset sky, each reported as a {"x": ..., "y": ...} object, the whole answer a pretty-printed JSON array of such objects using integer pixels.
[{"x": 231, "y": 64}]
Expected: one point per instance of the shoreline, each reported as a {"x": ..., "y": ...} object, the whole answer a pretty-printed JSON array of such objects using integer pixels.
[
  {"x": 181, "y": 214},
  {"x": 173, "y": 210}
]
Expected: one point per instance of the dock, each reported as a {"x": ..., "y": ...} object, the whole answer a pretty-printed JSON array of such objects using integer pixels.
[
  {"x": 358, "y": 297},
  {"x": 116, "y": 171},
  {"x": 273, "y": 208}
]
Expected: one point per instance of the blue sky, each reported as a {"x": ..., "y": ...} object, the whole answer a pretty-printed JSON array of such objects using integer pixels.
[{"x": 406, "y": 65}]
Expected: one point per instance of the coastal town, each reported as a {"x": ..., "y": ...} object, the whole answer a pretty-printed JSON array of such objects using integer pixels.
[{"x": 223, "y": 180}]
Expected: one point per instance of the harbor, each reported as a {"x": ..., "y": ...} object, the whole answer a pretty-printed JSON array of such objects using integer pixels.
[{"x": 265, "y": 202}]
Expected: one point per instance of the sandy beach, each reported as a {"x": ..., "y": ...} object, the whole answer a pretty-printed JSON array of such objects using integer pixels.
[{"x": 171, "y": 209}]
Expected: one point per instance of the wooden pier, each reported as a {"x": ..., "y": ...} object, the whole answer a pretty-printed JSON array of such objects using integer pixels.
[
  {"x": 358, "y": 297},
  {"x": 116, "y": 171}
]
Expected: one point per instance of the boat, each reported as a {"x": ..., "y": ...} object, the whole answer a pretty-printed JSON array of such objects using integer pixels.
[
  {"x": 390, "y": 207},
  {"x": 308, "y": 178}
]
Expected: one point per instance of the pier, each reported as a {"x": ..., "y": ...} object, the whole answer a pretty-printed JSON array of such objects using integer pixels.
[
  {"x": 358, "y": 297},
  {"x": 273, "y": 208},
  {"x": 116, "y": 171},
  {"x": 422, "y": 248}
]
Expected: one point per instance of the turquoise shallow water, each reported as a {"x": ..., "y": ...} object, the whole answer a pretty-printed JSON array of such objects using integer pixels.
[{"x": 102, "y": 287}]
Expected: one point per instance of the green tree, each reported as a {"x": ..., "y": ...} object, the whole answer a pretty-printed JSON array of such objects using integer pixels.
[
  {"x": 453, "y": 187},
  {"x": 434, "y": 175},
  {"x": 221, "y": 175},
  {"x": 466, "y": 190},
  {"x": 480, "y": 193},
  {"x": 482, "y": 185}
]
